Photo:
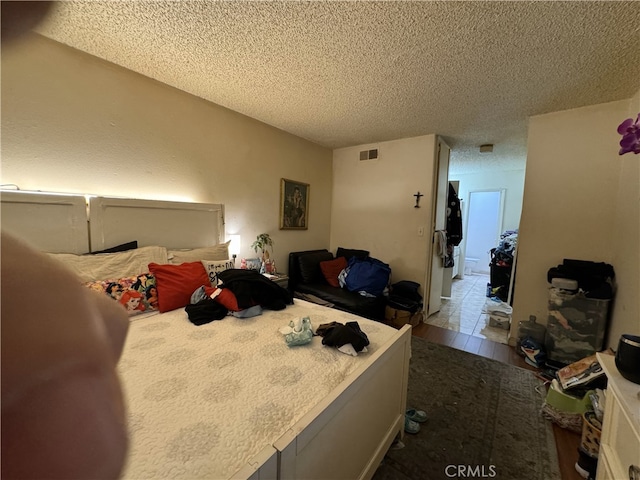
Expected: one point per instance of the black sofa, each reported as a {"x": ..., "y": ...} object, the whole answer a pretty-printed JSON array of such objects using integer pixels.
[{"x": 306, "y": 278}]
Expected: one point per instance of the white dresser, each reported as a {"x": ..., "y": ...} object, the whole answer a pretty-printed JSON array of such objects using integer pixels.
[{"x": 620, "y": 441}]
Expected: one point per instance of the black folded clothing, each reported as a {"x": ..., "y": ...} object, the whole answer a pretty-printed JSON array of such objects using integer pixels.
[
  {"x": 205, "y": 311},
  {"x": 251, "y": 288},
  {"x": 340, "y": 335},
  {"x": 325, "y": 328}
]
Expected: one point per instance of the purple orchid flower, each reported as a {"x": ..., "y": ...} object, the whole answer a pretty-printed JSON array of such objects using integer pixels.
[{"x": 630, "y": 132}]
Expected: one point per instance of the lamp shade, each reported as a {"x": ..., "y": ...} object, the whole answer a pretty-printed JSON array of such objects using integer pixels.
[{"x": 234, "y": 245}]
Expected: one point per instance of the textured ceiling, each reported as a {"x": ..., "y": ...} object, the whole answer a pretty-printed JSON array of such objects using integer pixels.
[{"x": 350, "y": 73}]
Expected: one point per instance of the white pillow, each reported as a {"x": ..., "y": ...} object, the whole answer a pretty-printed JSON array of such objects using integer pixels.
[
  {"x": 108, "y": 266},
  {"x": 213, "y": 267},
  {"x": 216, "y": 252}
]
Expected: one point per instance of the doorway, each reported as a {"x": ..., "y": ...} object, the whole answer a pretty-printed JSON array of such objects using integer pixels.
[
  {"x": 484, "y": 226},
  {"x": 483, "y": 214}
]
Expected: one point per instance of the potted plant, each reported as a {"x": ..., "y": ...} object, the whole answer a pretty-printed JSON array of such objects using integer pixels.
[{"x": 262, "y": 242}]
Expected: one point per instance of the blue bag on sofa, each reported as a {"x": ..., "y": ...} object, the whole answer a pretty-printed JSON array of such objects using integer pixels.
[{"x": 369, "y": 275}]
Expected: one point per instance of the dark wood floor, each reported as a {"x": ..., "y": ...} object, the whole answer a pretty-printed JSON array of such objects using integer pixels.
[{"x": 567, "y": 442}]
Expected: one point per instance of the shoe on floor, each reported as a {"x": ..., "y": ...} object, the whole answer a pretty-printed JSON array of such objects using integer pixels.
[
  {"x": 410, "y": 426},
  {"x": 416, "y": 415}
]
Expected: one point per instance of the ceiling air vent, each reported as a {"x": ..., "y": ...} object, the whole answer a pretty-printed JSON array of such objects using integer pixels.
[{"x": 369, "y": 154}]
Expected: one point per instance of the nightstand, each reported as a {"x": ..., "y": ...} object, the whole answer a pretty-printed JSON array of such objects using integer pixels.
[
  {"x": 620, "y": 440},
  {"x": 279, "y": 278}
]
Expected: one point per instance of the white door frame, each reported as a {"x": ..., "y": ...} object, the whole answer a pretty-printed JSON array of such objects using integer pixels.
[{"x": 435, "y": 270}]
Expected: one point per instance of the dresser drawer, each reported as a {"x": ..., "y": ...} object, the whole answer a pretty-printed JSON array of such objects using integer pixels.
[
  {"x": 620, "y": 441},
  {"x": 605, "y": 471}
]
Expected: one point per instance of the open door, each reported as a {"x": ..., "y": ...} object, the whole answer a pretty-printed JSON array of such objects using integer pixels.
[
  {"x": 436, "y": 270},
  {"x": 484, "y": 226}
]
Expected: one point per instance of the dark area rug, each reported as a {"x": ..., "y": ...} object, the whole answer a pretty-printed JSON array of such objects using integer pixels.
[{"x": 484, "y": 421}]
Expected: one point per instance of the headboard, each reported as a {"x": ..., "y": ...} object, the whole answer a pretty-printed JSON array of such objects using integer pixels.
[
  {"x": 72, "y": 224},
  {"x": 113, "y": 221},
  {"x": 49, "y": 222}
]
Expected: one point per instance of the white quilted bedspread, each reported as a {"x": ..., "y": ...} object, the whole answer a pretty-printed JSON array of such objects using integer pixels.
[{"x": 203, "y": 400}]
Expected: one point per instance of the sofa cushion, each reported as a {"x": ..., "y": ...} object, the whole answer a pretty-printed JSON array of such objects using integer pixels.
[
  {"x": 352, "y": 302},
  {"x": 332, "y": 268},
  {"x": 310, "y": 266},
  {"x": 351, "y": 252}
]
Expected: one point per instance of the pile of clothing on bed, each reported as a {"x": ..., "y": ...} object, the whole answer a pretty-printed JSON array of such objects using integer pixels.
[{"x": 241, "y": 293}]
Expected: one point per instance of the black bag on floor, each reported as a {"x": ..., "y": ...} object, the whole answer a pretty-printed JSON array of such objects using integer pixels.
[
  {"x": 405, "y": 295},
  {"x": 407, "y": 289}
]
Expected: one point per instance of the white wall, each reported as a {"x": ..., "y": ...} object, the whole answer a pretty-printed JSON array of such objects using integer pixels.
[
  {"x": 373, "y": 203},
  {"x": 74, "y": 123},
  {"x": 625, "y": 244},
  {"x": 580, "y": 199},
  {"x": 512, "y": 181}
]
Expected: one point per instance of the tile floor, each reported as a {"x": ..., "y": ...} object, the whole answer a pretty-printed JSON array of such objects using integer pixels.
[{"x": 463, "y": 311}]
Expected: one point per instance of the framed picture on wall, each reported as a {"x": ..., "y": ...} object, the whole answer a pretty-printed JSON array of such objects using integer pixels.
[{"x": 294, "y": 205}]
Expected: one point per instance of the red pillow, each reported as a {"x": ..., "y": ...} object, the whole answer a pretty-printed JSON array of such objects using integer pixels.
[
  {"x": 332, "y": 268},
  {"x": 176, "y": 283},
  {"x": 224, "y": 297}
]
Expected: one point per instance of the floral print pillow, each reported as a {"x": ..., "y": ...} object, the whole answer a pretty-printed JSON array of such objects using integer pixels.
[{"x": 137, "y": 294}]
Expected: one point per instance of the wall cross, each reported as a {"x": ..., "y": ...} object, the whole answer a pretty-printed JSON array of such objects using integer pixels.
[{"x": 418, "y": 195}]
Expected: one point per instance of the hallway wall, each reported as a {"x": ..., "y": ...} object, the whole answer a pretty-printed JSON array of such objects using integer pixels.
[
  {"x": 373, "y": 204},
  {"x": 581, "y": 201}
]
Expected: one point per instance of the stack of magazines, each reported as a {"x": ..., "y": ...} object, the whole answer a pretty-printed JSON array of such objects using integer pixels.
[
  {"x": 581, "y": 376},
  {"x": 572, "y": 392}
]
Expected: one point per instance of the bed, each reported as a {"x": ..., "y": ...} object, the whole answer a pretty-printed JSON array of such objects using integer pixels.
[{"x": 229, "y": 399}]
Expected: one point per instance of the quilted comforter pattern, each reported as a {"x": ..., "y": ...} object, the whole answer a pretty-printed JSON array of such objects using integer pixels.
[{"x": 203, "y": 400}]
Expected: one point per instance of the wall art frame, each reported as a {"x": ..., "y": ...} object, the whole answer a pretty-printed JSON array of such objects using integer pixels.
[{"x": 294, "y": 205}]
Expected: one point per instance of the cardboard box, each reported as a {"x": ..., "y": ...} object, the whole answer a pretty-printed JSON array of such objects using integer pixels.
[{"x": 399, "y": 318}]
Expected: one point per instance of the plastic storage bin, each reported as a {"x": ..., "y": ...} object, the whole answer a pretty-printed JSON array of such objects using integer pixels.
[{"x": 576, "y": 326}]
